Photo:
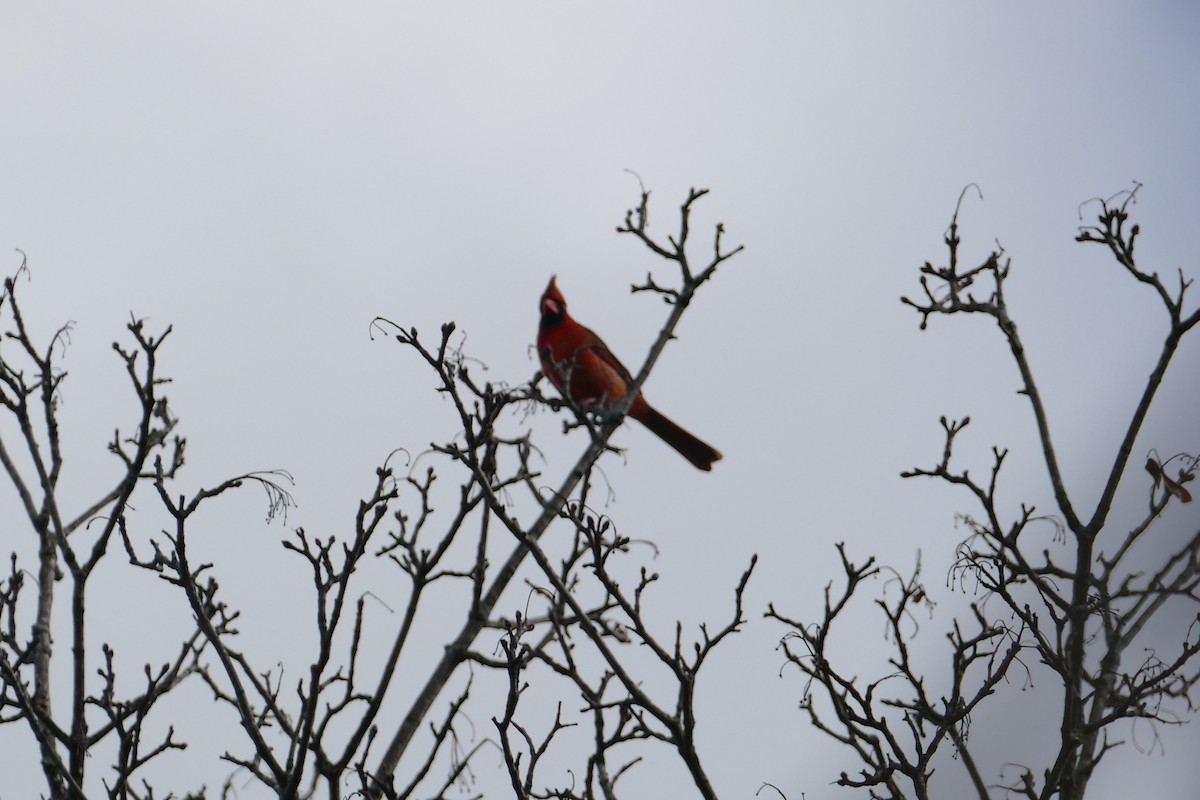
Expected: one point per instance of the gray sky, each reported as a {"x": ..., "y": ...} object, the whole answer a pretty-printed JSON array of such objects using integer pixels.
[{"x": 268, "y": 179}]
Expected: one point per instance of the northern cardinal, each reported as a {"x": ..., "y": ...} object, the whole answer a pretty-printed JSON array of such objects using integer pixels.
[{"x": 583, "y": 369}]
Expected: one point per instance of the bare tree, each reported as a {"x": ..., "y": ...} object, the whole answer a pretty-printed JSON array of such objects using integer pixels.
[
  {"x": 1080, "y": 609},
  {"x": 71, "y": 542},
  {"x": 576, "y": 627}
]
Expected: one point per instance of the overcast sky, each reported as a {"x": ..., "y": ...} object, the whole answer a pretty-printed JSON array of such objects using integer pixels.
[{"x": 269, "y": 177}]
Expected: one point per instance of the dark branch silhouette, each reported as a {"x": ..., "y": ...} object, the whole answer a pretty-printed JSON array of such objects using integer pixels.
[
  {"x": 1077, "y": 609},
  {"x": 344, "y": 722}
]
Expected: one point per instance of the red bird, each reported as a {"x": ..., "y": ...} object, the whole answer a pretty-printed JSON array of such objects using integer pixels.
[{"x": 581, "y": 366}]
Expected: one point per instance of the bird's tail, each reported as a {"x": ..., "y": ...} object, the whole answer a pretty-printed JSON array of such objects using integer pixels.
[{"x": 700, "y": 454}]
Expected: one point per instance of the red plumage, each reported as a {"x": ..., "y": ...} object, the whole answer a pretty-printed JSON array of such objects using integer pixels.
[{"x": 583, "y": 369}]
